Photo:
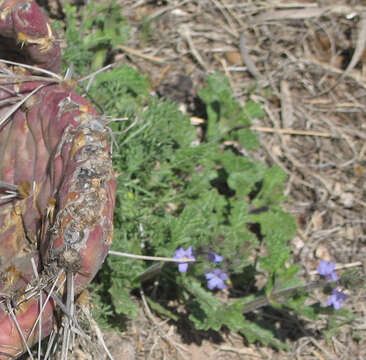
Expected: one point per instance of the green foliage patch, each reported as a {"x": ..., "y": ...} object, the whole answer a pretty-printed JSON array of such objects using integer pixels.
[
  {"x": 91, "y": 32},
  {"x": 179, "y": 188},
  {"x": 175, "y": 190}
]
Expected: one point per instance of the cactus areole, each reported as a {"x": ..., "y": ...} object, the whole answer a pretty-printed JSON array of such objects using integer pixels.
[{"x": 57, "y": 185}]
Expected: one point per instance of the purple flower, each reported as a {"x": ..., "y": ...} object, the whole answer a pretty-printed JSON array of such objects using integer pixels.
[
  {"x": 215, "y": 258},
  {"x": 216, "y": 279},
  {"x": 180, "y": 253},
  {"x": 326, "y": 269},
  {"x": 336, "y": 299}
]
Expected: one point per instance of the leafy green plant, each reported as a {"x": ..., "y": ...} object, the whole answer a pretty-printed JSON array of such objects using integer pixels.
[
  {"x": 179, "y": 188},
  {"x": 102, "y": 27},
  {"x": 175, "y": 191}
]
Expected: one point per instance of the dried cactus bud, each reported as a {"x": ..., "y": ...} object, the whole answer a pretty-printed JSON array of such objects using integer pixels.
[{"x": 27, "y": 36}]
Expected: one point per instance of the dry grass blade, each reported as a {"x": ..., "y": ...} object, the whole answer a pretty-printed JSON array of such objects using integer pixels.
[
  {"x": 35, "y": 272},
  {"x": 287, "y": 109},
  {"x": 51, "y": 342},
  {"x": 40, "y": 327},
  {"x": 166, "y": 9},
  {"x": 135, "y": 52},
  {"x": 10, "y": 101},
  {"x": 246, "y": 56},
  {"x": 50, "y": 293},
  {"x": 187, "y": 36},
  {"x": 7, "y": 186},
  {"x": 292, "y": 131},
  {"x": 275, "y": 15},
  {"x": 7, "y": 79},
  {"x": 10, "y": 191},
  {"x": 68, "y": 320},
  {"x": 95, "y": 327},
  {"x": 179, "y": 348},
  {"x": 33, "y": 68},
  {"x": 153, "y": 258}
]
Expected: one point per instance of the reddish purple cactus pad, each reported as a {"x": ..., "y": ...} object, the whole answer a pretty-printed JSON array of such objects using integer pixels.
[{"x": 57, "y": 184}]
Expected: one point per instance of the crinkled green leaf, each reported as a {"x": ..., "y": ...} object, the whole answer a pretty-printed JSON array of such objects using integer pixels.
[
  {"x": 254, "y": 332},
  {"x": 247, "y": 139},
  {"x": 121, "y": 299},
  {"x": 161, "y": 310},
  {"x": 223, "y": 111},
  {"x": 297, "y": 304},
  {"x": 254, "y": 109}
]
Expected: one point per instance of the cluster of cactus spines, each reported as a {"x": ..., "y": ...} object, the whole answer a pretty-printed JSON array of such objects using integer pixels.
[{"x": 57, "y": 186}]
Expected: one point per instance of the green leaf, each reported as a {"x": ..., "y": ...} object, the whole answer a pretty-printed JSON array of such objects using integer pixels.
[
  {"x": 278, "y": 228},
  {"x": 271, "y": 193},
  {"x": 247, "y": 139},
  {"x": 161, "y": 310},
  {"x": 122, "y": 300},
  {"x": 123, "y": 79},
  {"x": 223, "y": 111},
  {"x": 89, "y": 41},
  {"x": 254, "y": 110},
  {"x": 297, "y": 304},
  {"x": 254, "y": 332}
]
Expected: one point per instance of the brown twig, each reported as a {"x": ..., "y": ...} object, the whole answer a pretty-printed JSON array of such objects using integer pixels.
[
  {"x": 246, "y": 56},
  {"x": 292, "y": 131},
  {"x": 140, "y": 54}
]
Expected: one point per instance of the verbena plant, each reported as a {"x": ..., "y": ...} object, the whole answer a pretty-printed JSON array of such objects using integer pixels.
[{"x": 179, "y": 190}]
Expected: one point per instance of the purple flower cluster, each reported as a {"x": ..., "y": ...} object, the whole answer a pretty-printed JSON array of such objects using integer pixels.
[
  {"x": 327, "y": 270},
  {"x": 215, "y": 278},
  {"x": 215, "y": 258},
  {"x": 186, "y": 255},
  {"x": 336, "y": 299}
]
